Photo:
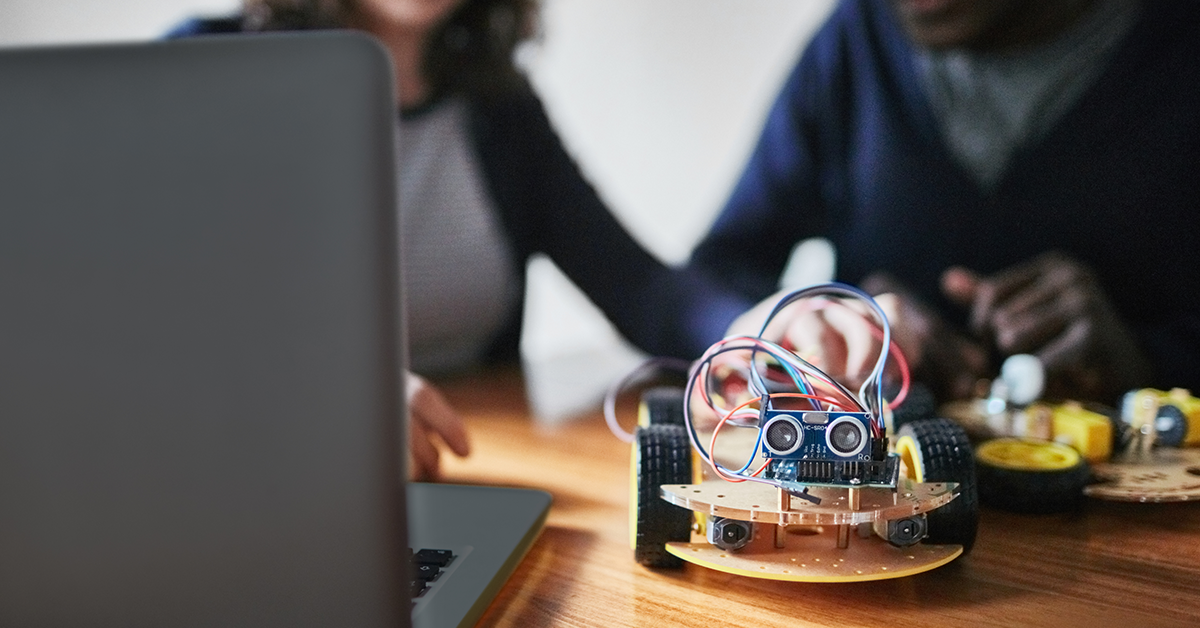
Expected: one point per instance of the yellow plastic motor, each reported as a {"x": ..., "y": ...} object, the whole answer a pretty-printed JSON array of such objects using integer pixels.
[
  {"x": 1088, "y": 432},
  {"x": 1175, "y": 415}
]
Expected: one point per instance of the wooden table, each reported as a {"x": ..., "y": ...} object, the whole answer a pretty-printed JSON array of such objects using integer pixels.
[{"x": 1128, "y": 565}]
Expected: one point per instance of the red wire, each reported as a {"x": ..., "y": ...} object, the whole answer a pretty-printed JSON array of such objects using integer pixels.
[
  {"x": 712, "y": 444},
  {"x": 902, "y": 364},
  {"x": 893, "y": 350},
  {"x": 877, "y": 331}
]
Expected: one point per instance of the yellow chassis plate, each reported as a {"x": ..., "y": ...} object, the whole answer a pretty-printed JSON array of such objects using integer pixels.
[
  {"x": 806, "y": 548},
  {"x": 811, "y": 555}
]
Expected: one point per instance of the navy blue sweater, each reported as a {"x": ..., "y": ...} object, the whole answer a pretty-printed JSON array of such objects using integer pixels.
[{"x": 852, "y": 151}]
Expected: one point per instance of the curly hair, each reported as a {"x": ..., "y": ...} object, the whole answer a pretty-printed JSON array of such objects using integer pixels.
[{"x": 470, "y": 53}]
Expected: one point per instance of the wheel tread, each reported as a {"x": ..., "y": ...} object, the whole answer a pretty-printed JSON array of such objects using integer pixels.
[
  {"x": 664, "y": 405},
  {"x": 1033, "y": 491},
  {"x": 947, "y": 456},
  {"x": 664, "y": 457}
]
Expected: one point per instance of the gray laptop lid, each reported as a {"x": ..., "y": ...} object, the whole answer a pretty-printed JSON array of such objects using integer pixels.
[{"x": 199, "y": 344}]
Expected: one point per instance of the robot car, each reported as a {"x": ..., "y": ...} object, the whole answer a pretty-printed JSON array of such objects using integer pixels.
[
  {"x": 828, "y": 493},
  {"x": 1035, "y": 455}
]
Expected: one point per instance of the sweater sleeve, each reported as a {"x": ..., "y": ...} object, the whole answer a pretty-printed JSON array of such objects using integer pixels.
[{"x": 548, "y": 206}]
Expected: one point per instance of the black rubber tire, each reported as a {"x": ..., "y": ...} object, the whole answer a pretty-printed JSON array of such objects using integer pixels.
[
  {"x": 918, "y": 406},
  {"x": 663, "y": 455},
  {"x": 946, "y": 456},
  {"x": 663, "y": 405},
  {"x": 1031, "y": 490}
]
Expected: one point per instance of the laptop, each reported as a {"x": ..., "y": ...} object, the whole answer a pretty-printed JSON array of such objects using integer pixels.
[{"x": 201, "y": 348}]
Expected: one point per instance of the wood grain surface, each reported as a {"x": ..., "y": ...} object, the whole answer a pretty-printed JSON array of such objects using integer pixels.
[{"x": 1110, "y": 564}]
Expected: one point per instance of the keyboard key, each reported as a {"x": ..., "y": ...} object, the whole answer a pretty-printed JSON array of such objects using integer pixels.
[
  {"x": 427, "y": 572},
  {"x": 437, "y": 557}
]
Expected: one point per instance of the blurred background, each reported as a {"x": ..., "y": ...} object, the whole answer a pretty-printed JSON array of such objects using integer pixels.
[{"x": 660, "y": 102}]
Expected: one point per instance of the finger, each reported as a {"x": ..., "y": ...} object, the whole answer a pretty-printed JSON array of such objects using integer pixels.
[
  {"x": 830, "y": 343},
  {"x": 960, "y": 285},
  {"x": 1040, "y": 313},
  {"x": 424, "y": 453},
  {"x": 810, "y": 338},
  {"x": 1069, "y": 370},
  {"x": 703, "y": 417},
  {"x": 1033, "y": 328},
  {"x": 915, "y": 328},
  {"x": 993, "y": 291},
  {"x": 1069, "y": 350},
  {"x": 861, "y": 347},
  {"x": 441, "y": 419},
  {"x": 1056, "y": 280},
  {"x": 751, "y": 322},
  {"x": 429, "y": 408},
  {"x": 900, "y": 315},
  {"x": 837, "y": 352}
]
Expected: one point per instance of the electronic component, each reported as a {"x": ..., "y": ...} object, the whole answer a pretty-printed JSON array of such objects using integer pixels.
[
  {"x": 904, "y": 531},
  {"x": 825, "y": 448},
  {"x": 728, "y": 534},
  {"x": 835, "y": 472},
  {"x": 1172, "y": 417},
  {"x": 835, "y": 436},
  {"x": 847, "y": 436},
  {"x": 782, "y": 436}
]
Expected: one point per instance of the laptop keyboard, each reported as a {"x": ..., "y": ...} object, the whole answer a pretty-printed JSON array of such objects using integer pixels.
[{"x": 428, "y": 565}]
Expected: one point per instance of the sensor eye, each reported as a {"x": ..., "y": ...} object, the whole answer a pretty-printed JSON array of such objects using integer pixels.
[
  {"x": 846, "y": 436},
  {"x": 782, "y": 435}
]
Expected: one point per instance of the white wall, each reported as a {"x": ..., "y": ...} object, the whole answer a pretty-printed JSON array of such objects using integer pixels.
[
  {"x": 25, "y": 22},
  {"x": 659, "y": 100}
]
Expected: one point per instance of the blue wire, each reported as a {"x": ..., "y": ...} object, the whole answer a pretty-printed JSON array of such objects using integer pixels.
[
  {"x": 800, "y": 379},
  {"x": 851, "y": 291}
]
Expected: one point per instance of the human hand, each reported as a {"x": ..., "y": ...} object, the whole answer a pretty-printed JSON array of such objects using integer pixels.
[
  {"x": 943, "y": 358},
  {"x": 1053, "y": 307},
  {"x": 838, "y": 336},
  {"x": 429, "y": 415}
]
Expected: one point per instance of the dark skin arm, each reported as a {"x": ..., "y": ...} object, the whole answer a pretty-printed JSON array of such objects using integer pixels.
[
  {"x": 1053, "y": 307},
  {"x": 838, "y": 338},
  {"x": 943, "y": 357}
]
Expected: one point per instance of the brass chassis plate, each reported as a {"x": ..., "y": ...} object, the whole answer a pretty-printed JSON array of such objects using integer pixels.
[
  {"x": 1160, "y": 475},
  {"x": 760, "y": 503}
]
